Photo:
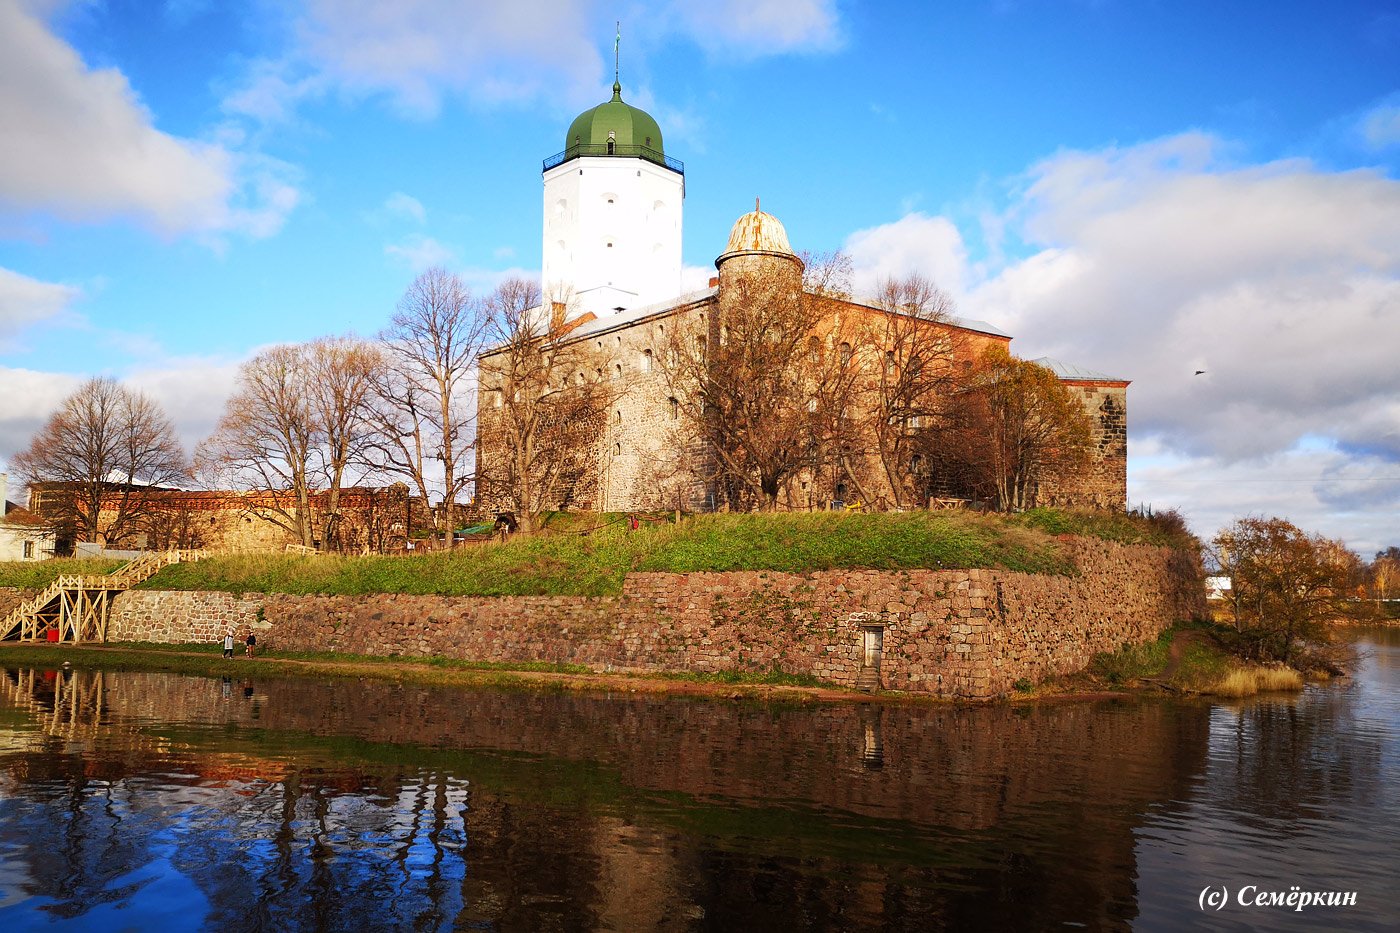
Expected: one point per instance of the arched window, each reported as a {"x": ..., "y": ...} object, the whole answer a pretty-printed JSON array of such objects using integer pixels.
[
  {"x": 673, "y": 407},
  {"x": 617, "y": 416},
  {"x": 618, "y": 373},
  {"x": 617, "y": 450},
  {"x": 845, "y": 353},
  {"x": 647, "y": 358}
]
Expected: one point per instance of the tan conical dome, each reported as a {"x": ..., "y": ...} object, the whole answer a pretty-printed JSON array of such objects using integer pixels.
[{"x": 757, "y": 234}]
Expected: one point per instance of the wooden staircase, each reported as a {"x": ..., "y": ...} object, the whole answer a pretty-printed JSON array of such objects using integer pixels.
[{"x": 77, "y": 606}]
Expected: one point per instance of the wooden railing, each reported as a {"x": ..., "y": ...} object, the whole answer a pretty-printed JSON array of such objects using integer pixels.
[{"x": 77, "y": 606}]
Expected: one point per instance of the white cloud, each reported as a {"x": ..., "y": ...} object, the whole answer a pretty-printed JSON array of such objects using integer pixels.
[
  {"x": 1380, "y": 127},
  {"x": 407, "y": 206},
  {"x": 916, "y": 243},
  {"x": 1317, "y": 488},
  {"x": 79, "y": 144},
  {"x": 695, "y": 278},
  {"x": 25, "y": 301},
  {"x": 1282, "y": 280},
  {"x": 30, "y": 397},
  {"x": 420, "y": 252},
  {"x": 415, "y": 52},
  {"x": 191, "y": 390},
  {"x": 753, "y": 28}
]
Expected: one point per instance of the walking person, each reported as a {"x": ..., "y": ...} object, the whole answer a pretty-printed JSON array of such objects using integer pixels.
[
  {"x": 249, "y": 644},
  {"x": 228, "y": 643}
]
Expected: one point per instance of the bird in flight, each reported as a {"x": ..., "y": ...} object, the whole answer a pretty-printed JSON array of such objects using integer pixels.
[{"x": 1200, "y": 372}]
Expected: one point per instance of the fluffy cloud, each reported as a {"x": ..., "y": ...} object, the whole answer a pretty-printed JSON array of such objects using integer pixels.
[
  {"x": 191, "y": 390},
  {"x": 931, "y": 246},
  {"x": 25, "y": 301},
  {"x": 760, "y": 27},
  {"x": 1315, "y": 486},
  {"x": 417, "y": 51},
  {"x": 1380, "y": 127},
  {"x": 420, "y": 252},
  {"x": 1282, "y": 281},
  {"x": 80, "y": 145},
  {"x": 406, "y": 206}
]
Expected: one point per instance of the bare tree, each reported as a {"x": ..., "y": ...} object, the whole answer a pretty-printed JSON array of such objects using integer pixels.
[
  {"x": 291, "y": 431},
  {"x": 543, "y": 403},
  {"x": 422, "y": 406},
  {"x": 106, "y": 449},
  {"x": 766, "y": 385},
  {"x": 341, "y": 373},
  {"x": 1020, "y": 427},
  {"x": 264, "y": 441},
  {"x": 916, "y": 371}
]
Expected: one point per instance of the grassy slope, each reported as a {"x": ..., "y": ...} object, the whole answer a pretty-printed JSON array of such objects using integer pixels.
[
  {"x": 37, "y": 574},
  {"x": 590, "y": 555}
]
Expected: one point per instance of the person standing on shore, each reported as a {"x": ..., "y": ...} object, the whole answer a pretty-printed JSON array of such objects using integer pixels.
[
  {"x": 249, "y": 644},
  {"x": 228, "y": 643}
]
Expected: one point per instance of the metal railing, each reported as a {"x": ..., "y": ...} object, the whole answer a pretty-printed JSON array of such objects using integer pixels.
[{"x": 615, "y": 150}]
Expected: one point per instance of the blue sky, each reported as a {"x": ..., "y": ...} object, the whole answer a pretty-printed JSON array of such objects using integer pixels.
[{"x": 1145, "y": 189}]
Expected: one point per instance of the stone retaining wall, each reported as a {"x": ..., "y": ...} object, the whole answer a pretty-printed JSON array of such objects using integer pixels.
[{"x": 953, "y": 633}]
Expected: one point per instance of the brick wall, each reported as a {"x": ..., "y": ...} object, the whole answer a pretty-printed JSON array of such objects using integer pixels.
[{"x": 968, "y": 633}]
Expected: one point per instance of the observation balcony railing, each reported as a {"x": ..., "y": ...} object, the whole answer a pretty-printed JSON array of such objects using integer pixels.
[{"x": 617, "y": 151}]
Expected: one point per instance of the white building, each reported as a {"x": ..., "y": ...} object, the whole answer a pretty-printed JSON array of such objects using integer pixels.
[
  {"x": 612, "y": 213},
  {"x": 23, "y": 535}
]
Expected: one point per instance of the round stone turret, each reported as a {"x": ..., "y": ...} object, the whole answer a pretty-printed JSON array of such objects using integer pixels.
[{"x": 758, "y": 252}]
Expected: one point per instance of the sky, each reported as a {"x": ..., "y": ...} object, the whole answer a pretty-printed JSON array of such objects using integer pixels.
[{"x": 1145, "y": 189}]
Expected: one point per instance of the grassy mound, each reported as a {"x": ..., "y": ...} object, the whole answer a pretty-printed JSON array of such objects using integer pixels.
[
  {"x": 37, "y": 574},
  {"x": 591, "y": 554}
]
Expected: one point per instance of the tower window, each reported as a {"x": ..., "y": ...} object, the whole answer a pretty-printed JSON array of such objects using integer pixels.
[
  {"x": 617, "y": 450},
  {"x": 845, "y": 353},
  {"x": 617, "y": 416},
  {"x": 646, "y": 361},
  {"x": 674, "y": 406},
  {"x": 610, "y": 244}
]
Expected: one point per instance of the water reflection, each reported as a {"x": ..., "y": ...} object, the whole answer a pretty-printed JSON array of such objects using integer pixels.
[{"x": 185, "y": 802}]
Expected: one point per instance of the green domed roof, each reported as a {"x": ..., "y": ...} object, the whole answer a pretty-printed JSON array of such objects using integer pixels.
[
  {"x": 614, "y": 128},
  {"x": 630, "y": 126}
]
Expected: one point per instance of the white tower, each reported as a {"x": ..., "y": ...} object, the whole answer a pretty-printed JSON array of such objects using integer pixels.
[{"x": 612, "y": 213}]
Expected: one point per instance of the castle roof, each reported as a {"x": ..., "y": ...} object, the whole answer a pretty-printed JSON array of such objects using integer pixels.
[
  {"x": 1072, "y": 373},
  {"x": 615, "y": 129}
]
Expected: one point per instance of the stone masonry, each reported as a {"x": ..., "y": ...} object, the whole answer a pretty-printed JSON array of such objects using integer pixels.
[{"x": 953, "y": 633}]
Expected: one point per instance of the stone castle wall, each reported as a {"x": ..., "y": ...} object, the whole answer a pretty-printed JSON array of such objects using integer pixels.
[
  {"x": 969, "y": 633},
  {"x": 1103, "y": 484}
]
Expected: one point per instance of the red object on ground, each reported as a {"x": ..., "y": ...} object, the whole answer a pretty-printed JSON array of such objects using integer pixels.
[{"x": 52, "y": 634}]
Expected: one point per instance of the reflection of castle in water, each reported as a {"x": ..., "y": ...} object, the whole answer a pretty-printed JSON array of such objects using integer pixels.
[{"x": 520, "y": 810}]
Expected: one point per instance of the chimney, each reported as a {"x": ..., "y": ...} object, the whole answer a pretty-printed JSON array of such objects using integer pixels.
[
  {"x": 714, "y": 280},
  {"x": 556, "y": 315}
]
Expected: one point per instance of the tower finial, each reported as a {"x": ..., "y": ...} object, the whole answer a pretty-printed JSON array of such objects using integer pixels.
[
  {"x": 756, "y": 208},
  {"x": 617, "y": 55}
]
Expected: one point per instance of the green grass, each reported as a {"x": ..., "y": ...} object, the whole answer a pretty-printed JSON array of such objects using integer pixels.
[
  {"x": 591, "y": 554},
  {"x": 37, "y": 574},
  {"x": 1131, "y": 662},
  {"x": 1165, "y": 529}
]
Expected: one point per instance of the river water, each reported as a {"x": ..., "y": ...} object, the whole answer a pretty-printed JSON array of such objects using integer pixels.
[{"x": 163, "y": 802}]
